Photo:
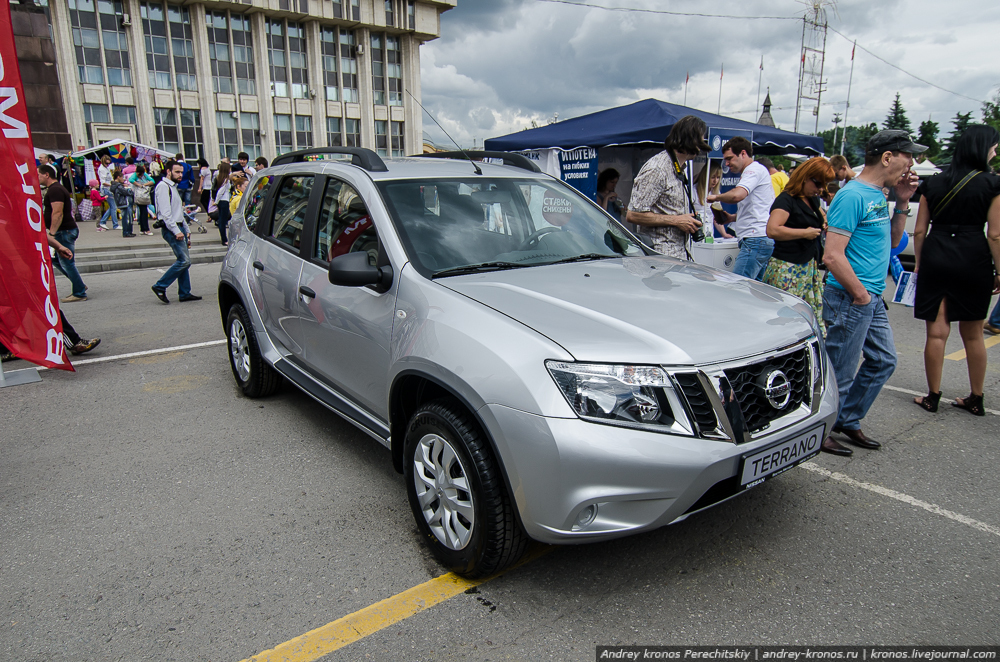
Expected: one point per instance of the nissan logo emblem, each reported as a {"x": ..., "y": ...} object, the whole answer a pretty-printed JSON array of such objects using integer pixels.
[{"x": 777, "y": 389}]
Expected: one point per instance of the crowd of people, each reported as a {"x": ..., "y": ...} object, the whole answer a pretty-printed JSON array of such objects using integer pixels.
[{"x": 827, "y": 236}]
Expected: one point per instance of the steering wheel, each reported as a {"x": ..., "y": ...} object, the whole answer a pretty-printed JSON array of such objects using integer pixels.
[{"x": 535, "y": 236}]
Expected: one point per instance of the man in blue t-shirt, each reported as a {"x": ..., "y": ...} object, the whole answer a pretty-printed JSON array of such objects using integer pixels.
[
  {"x": 187, "y": 179},
  {"x": 861, "y": 233}
]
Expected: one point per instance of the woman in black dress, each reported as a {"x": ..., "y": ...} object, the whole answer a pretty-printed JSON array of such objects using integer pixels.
[{"x": 957, "y": 263}]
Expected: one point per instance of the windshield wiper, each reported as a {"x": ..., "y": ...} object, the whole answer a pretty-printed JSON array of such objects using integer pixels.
[
  {"x": 585, "y": 258},
  {"x": 476, "y": 268}
]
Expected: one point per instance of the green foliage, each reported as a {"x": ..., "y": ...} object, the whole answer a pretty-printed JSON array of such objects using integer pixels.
[
  {"x": 962, "y": 122},
  {"x": 854, "y": 147},
  {"x": 991, "y": 116},
  {"x": 896, "y": 119},
  {"x": 928, "y": 135}
]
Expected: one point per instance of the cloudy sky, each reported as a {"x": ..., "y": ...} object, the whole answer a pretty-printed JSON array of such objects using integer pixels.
[{"x": 500, "y": 64}]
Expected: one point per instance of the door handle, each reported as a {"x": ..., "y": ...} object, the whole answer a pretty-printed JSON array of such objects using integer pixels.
[
  {"x": 306, "y": 292},
  {"x": 257, "y": 264}
]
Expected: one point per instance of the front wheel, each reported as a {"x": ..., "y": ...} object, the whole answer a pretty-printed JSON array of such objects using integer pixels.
[
  {"x": 457, "y": 494},
  {"x": 256, "y": 378}
]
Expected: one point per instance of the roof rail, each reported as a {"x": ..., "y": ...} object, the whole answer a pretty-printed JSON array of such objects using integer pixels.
[
  {"x": 361, "y": 157},
  {"x": 508, "y": 158}
]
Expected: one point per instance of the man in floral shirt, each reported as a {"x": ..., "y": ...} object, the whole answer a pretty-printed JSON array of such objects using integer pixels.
[{"x": 660, "y": 205}]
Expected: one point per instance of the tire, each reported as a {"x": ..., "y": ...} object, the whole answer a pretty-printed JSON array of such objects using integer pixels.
[
  {"x": 457, "y": 494},
  {"x": 255, "y": 377}
]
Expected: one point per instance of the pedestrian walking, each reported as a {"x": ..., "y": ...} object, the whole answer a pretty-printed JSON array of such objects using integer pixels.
[
  {"x": 661, "y": 203},
  {"x": 105, "y": 179},
  {"x": 796, "y": 225},
  {"x": 175, "y": 230},
  {"x": 957, "y": 264},
  {"x": 860, "y": 237},
  {"x": 753, "y": 197},
  {"x": 204, "y": 184},
  {"x": 56, "y": 209},
  {"x": 124, "y": 199},
  {"x": 142, "y": 186},
  {"x": 221, "y": 190},
  {"x": 187, "y": 180}
]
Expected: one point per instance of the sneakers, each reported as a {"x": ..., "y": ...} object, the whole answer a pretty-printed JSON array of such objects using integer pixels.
[
  {"x": 85, "y": 346},
  {"x": 989, "y": 328},
  {"x": 191, "y": 297},
  {"x": 71, "y": 298},
  {"x": 160, "y": 294},
  {"x": 148, "y": 232}
]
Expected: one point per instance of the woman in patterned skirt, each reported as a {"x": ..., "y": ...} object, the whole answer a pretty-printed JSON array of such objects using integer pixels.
[{"x": 796, "y": 224}]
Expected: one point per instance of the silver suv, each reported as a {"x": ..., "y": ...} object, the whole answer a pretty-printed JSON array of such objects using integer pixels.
[{"x": 536, "y": 371}]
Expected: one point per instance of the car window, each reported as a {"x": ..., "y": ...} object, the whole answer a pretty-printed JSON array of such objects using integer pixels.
[
  {"x": 447, "y": 224},
  {"x": 290, "y": 210},
  {"x": 345, "y": 226},
  {"x": 255, "y": 204}
]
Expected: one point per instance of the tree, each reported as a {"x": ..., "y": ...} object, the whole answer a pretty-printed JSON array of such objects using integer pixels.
[
  {"x": 991, "y": 116},
  {"x": 896, "y": 119},
  {"x": 928, "y": 136},
  {"x": 854, "y": 147},
  {"x": 962, "y": 122}
]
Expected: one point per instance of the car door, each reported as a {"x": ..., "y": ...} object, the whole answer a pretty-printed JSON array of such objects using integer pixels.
[
  {"x": 346, "y": 330},
  {"x": 277, "y": 263}
]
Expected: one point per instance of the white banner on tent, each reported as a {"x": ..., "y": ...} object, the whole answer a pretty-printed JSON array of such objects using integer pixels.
[
  {"x": 88, "y": 170},
  {"x": 547, "y": 160}
]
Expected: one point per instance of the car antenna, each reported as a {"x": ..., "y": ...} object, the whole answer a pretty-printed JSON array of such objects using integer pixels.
[{"x": 478, "y": 170}]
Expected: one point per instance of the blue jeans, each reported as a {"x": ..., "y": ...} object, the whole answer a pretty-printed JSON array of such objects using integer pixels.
[
  {"x": 185, "y": 195},
  {"x": 68, "y": 239},
  {"x": 112, "y": 209},
  {"x": 753, "y": 258},
  {"x": 127, "y": 218},
  {"x": 853, "y": 332},
  {"x": 178, "y": 270},
  {"x": 994, "y": 319}
]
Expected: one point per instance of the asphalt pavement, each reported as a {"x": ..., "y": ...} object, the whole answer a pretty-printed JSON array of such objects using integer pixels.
[{"x": 149, "y": 511}]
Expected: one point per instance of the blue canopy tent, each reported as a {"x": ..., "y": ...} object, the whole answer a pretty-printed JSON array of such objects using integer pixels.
[{"x": 647, "y": 121}]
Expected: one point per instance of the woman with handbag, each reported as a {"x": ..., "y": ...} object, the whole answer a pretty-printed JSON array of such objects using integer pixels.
[
  {"x": 220, "y": 198},
  {"x": 142, "y": 184},
  {"x": 956, "y": 262}
]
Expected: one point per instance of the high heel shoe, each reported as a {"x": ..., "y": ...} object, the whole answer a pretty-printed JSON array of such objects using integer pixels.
[
  {"x": 971, "y": 403},
  {"x": 929, "y": 402}
]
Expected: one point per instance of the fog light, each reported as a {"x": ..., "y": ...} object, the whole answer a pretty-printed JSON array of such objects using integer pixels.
[{"x": 586, "y": 516}]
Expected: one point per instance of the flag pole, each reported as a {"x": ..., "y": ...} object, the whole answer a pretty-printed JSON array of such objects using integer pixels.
[
  {"x": 760, "y": 76},
  {"x": 686, "y": 79},
  {"x": 850, "y": 80},
  {"x": 722, "y": 72}
]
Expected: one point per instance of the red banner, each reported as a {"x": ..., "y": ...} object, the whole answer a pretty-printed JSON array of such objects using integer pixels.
[{"x": 30, "y": 325}]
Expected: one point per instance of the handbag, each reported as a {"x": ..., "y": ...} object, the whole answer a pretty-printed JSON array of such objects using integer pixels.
[
  {"x": 142, "y": 196},
  {"x": 86, "y": 210},
  {"x": 952, "y": 194}
]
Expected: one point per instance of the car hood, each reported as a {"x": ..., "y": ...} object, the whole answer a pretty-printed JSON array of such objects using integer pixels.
[{"x": 643, "y": 310}]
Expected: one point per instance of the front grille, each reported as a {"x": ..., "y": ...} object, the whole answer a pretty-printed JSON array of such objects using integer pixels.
[
  {"x": 746, "y": 382},
  {"x": 701, "y": 406}
]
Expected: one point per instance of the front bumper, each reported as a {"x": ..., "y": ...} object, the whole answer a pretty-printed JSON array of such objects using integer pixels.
[{"x": 639, "y": 480}]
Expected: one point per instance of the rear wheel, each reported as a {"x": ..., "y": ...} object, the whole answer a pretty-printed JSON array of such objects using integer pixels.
[
  {"x": 456, "y": 492},
  {"x": 256, "y": 378}
]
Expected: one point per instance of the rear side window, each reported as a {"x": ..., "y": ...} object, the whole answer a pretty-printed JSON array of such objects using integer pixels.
[
  {"x": 255, "y": 204},
  {"x": 345, "y": 226},
  {"x": 290, "y": 208}
]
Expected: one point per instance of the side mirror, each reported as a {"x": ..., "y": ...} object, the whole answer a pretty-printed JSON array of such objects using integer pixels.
[{"x": 353, "y": 270}]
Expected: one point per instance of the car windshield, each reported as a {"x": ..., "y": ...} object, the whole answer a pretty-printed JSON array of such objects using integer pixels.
[{"x": 455, "y": 226}]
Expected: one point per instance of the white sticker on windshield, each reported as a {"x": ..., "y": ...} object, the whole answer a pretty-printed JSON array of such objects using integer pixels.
[{"x": 556, "y": 209}]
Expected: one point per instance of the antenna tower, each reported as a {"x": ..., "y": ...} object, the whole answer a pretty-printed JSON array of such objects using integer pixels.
[{"x": 814, "y": 24}]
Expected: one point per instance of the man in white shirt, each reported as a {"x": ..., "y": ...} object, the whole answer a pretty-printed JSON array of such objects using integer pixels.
[
  {"x": 753, "y": 197},
  {"x": 105, "y": 178},
  {"x": 170, "y": 210}
]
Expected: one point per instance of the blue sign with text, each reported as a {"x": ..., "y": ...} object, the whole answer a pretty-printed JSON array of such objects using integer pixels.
[{"x": 578, "y": 168}]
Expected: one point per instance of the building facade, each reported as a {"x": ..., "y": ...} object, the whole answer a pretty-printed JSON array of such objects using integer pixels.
[{"x": 213, "y": 78}]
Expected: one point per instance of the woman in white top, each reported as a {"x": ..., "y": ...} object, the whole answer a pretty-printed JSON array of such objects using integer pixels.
[
  {"x": 701, "y": 205},
  {"x": 204, "y": 183},
  {"x": 221, "y": 200}
]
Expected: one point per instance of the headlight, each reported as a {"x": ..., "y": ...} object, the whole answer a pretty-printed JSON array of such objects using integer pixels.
[{"x": 627, "y": 395}]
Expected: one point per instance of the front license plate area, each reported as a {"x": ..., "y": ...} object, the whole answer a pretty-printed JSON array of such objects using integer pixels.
[{"x": 761, "y": 465}]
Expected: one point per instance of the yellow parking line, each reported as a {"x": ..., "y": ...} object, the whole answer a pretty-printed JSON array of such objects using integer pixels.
[
  {"x": 960, "y": 355},
  {"x": 343, "y": 631}
]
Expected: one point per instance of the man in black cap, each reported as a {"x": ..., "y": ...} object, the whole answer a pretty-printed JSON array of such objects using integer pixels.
[{"x": 862, "y": 230}]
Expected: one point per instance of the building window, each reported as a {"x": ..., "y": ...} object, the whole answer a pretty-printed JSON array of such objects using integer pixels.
[
  {"x": 338, "y": 8},
  {"x": 123, "y": 114},
  {"x": 349, "y": 66},
  {"x": 283, "y": 133},
  {"x": 154, "y": 28},
  {"x": 378, "y": 70},
  {"x": 246, "y": 79},
  {"x": 328, "y": 50},
  {"x": 228, "y": 135},
  {"x": 167, "y": 136},
  {"x": 394, "y": 71},
  {"x": 333, "y": 137},
  {"x": 250, "y": 133},
  {"x": 303, "y": 132},
  {"x": 355, "y": 10},
  {"x": 352, "y": 133},
  {"x": 191, "y": 134},
  {"x": 411, "y": 14},
  {"x": 390, "y": 14},
  {"x": 396, "y": 139},
  {"x": 218, "y": 51},
  {"x": 115, "y": 43},
  {"x": 297, "y": 61},
  {"x": 183, "y": 47},
  {"x": 276, "y": 58},
  {"x": 86, "y": 41},
  {"x": 92, "y": 113},
  {"x": 381, "y": 137}
]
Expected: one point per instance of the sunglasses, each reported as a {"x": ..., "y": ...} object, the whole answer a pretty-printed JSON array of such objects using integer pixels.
[{"x": 818, "y": 183}]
